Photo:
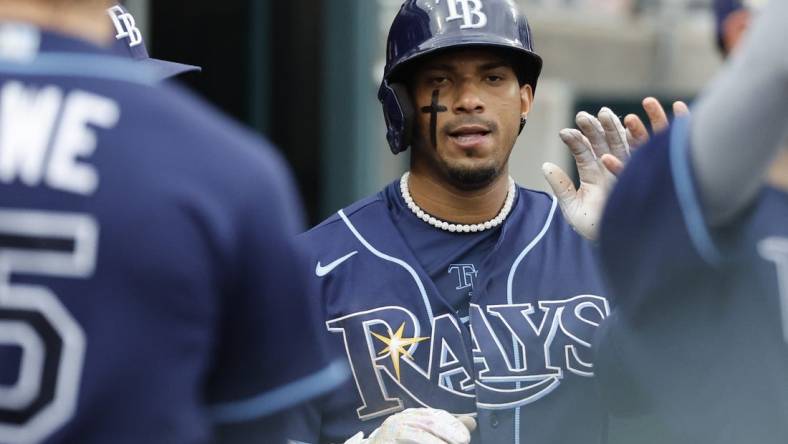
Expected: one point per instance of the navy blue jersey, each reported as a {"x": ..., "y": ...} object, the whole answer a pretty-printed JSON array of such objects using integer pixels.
[
  {"x": 523, "y": 366},
  {"x": 148, "y": 277},
  {"x": 699, "y": 336},
  {"x": 451, "y": 260}
]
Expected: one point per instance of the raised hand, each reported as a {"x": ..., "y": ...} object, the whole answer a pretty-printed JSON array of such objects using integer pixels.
[
  {"x": 601, "y": 146},
  {"x": 637, "y": 133},
  {"x": 596, "y": 137}
]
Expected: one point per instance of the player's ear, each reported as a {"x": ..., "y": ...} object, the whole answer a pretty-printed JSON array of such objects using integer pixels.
[{"x": 526, "y": 99}]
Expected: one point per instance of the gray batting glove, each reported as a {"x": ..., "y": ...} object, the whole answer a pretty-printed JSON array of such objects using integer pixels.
[
  {"x": 420, "y": 426},
  {"x": 583, "y": 206},
  {"x": 601, "y": 147}
]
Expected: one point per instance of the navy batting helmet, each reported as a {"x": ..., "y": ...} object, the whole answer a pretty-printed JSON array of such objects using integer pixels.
[{"x": 424, "y": 27}]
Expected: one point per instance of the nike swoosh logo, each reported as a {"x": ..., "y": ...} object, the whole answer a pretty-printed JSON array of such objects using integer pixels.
[{"x": 321, "y": 270}]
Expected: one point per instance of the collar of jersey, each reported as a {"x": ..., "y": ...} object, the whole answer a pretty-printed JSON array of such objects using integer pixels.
[{"x": 60, "y": 55}]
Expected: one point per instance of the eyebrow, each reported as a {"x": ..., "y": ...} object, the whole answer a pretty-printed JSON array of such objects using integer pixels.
[
  {"x": 484, "y": 67},
  {"x": 438, "y": 66},
  {"x": 495, "y": 64}
]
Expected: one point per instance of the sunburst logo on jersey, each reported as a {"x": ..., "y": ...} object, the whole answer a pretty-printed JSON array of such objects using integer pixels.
[{"x": 395, "y": 346}]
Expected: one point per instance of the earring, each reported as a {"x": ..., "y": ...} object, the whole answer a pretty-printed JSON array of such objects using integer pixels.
[{"x": 523, "y": 121}]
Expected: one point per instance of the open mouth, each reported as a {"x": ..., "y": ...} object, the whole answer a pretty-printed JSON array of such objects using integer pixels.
[{"x": 469, "y": 135}]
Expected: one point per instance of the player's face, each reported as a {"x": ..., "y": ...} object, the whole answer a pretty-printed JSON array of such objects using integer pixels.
[{"x": 468, "y": 105}]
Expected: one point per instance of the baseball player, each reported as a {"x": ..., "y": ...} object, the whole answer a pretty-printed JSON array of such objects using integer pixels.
[
  {"x": 694, "y": 243},
  {"x": 149, "y": 283},
  {"x": 129, "y": 42},
  {"x": 453, "y": 289}
]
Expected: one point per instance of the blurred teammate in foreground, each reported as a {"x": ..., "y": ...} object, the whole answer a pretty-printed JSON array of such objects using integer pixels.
[
  {"x": 148, "y": 283},
  {"x": 695, "y": 246}
]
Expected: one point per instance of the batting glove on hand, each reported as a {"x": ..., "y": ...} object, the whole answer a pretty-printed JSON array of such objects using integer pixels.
[
  {"x": 601, "y": 147},
  {"x": 420, "y": 426},
  {"x": 583, "y": 207}
]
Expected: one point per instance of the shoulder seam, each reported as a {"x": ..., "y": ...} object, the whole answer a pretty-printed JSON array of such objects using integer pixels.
[
  {"x": 372, "y": 200},
  {"x": 334, "y": 217},
  {"x": 104, "y": 67}
]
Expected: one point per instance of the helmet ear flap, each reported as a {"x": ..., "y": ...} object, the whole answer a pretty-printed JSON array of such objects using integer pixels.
[{"x": 399, "y": 113}]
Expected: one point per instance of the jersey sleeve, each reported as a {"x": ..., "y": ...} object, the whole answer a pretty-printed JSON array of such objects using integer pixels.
[
  {"x": 270, "y": 355},
  {"x": 653, "y": 238},
  {"x": 653, "y": 231}
]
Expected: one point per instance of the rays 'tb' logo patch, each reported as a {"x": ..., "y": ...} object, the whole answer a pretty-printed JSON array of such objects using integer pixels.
[
  {"x": 471, "y": 14},
  {"x": 125, "y": 26}
]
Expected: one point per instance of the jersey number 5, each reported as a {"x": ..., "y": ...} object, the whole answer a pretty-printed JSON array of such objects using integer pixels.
[{"x": 39, "y": 384}]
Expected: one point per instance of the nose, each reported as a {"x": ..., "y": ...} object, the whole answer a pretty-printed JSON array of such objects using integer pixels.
[{"x": 469, "y": 99}]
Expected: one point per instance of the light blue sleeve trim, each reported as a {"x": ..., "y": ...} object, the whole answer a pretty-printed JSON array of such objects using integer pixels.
[
  {"x": 84, "y": 65},
  {"x": 687, "y": 194},
  {"x": 283, "y": 397}
]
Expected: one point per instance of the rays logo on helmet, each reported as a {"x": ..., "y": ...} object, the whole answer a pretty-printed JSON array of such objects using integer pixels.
[
  {"x": 471, "y": 16},
  {"x": 125, "y": 26}
]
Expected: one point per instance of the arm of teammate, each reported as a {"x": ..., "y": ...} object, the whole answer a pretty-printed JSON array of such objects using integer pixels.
[
  {"x": 601, "y": 146},
  {"x": 420, "y": 426},
  {"x": 648, "y": 237},
  {"x": 270, "y": 357},
  {"x": 741, "y": 119}
]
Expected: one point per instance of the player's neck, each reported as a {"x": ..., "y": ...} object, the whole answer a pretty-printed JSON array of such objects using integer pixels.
[
  {"x": 778, "y": 173},
  {"x": 446, "y": 202},
  {"x": 83, "y": 20}
]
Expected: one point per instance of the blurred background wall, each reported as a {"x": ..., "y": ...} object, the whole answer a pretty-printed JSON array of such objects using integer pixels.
[{"x": 305, "y": 73}]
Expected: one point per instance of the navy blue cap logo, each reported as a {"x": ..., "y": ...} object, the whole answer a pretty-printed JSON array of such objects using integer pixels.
[
  {"x": 471, "y": 15},
  {"x": 125, "y": 26}
]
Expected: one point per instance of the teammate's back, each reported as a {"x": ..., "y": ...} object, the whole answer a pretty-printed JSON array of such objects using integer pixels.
[{"x": 143, "y": 242}]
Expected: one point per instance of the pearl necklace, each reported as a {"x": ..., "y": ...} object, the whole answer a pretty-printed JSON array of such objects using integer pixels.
[{"x": 458, "y": 228}]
